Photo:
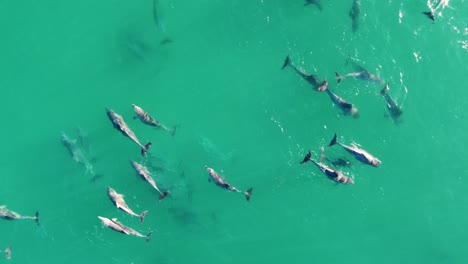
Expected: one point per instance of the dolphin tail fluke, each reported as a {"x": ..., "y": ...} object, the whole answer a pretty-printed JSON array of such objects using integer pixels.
[
  {"x": 333, "y": 141},
  {"x": 384, "y": 90},
  {"x": 430, "y": 15},
  {"x": 7, "y": 253},
  {"x": 307, "y": 157},
  {"x": 36, "y": 218},
  {"x": 173, "y": 130},
  {"x": 96, "y": 176},
  {"x": 145, "y": 148},
  {"x": 148, "y": 236},
  {"x": 142, "y": 216},
  {"x": 323, "y": 86},
  {"x": 163, "y": 195},
  {"x": 338, "y": 77},
  {"x": 248, "y": 193},
  {"x": 286, "y": 63}
]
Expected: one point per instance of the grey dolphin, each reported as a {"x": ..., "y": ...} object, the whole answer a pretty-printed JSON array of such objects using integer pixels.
[
  {"x": 119, "y": 227},
  {"x": 151, "y": 121},
  {"x": 7, "y": 214},
  {"x": 354, "y": 14},
  {"x": 310, "y": 78},
  {"x": 347, "y": 108},
  {"x": 118, "y": 200},
  {"x": 221, "y": 182},
  {"x": 144, "y": 173},
  {"x": 314, "y": 2},
  {"x": 394, "y": 110},
  {"x": 119, "y": 124},
  {"x": 7, "y": 252},
  {"x": 332, "y": 174},
  {"x": 359, "y": 154}
]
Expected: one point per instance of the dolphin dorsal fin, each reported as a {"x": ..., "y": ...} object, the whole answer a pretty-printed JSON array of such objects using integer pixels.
[{"x": 114, "y": 219}]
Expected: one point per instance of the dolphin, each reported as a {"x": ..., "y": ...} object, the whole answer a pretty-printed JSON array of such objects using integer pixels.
[
  {"x": 221, "y": 182},
  {"x": 144, "y": 173},
  {"x": 359, "y": 154},
  {"x": 76, "y": 153},
  {"x": 394, "y": 110},
  {"x": 347, "y": 108},
  {"x": 7, "y": 214},
  {"x": 119, "y": 202},
  {"x": 431, "y": 14},
  {"x": 7, "y": 252},
  {"x": 314, "y": 2},
  {"x": 310, "y": 78},
  {"x": 354, "y": 14},
  {"x": 149, "y": 120},
  {"x": 339, "y": 162},
  {"x": 119, "y": 227},
  {"x": 120, "y": 125},
  {"x": 332, "y": 174}
]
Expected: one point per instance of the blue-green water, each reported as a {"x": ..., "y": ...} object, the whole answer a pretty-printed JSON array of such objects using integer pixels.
[{"x": 221, "y": 81}]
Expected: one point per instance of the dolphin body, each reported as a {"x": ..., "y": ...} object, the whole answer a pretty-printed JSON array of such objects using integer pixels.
[
  {"x": 332, "y": 174},
  {"x": 221, "y": 182},
  {"x": 119, "y": 202},
  {"x": 7, "y": 214},
  {"x": 119, "y": 227},
  {"x": 76, "y": 153},
  {"x": 359, "y": 154},
  {"x": 144, "y": 173},
  {"x": 394, "y": 110},
  {"x": 120, "y": 125},
  {"x": 7, "y": 252},
  {"x": 347, "y": 108},
  {"x": 151, "y": 121},
  {"x": 314, "y": 2},
  {"x": 310, "y": 78},
  {"x": 354, "y": 14}
]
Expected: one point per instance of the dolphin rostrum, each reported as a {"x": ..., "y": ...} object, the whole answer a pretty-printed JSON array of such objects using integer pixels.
[
  {"x": 394, "y": 110},
  {"x": 310, "y": 78},
  {"x": 332, "y": 174},
  {"x": 347, "y": 108},
  {"x": 119, "y": 227},
  {"x": 119, "y": 202},
  {"x": 144, "y": 173},
  {"x": 149, "y": 120},
  {"x": 7, "y": 214},
  {"x": 221, "y": 182},
  {"x": 359, "y": 154},
  {"x": 120, "y": 125}
]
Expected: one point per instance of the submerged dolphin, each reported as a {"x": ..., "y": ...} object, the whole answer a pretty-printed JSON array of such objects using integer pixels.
[
  {"x": 119, "y": 202},
  {"x": 119, "y": 227},
  {"x": 221, "y": 182},
  {"x": 76, "y": 153},
  {"x": 359, "y": 154},
  {"x": 310, "y": 78},
  {"x": 149, "y": 120},
  {"x": 314, "y": 2},
  {"x": 354, "y": 14},
  {"x": 144, "y": 173},
  {"x": 7, "y": 214},
  {"x": 332, "y": 174},
  {"x": 347, "y": 108},
  {"x": 7, "y": 252},
  {"x": 431, "y": 14},
  {"x": 394, "y": 110},
  {"x": 120, "y": 125}
]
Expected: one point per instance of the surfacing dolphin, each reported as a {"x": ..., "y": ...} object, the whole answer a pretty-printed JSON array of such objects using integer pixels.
[
  {"x": 354, "y": 14},
  {"x": 151, "y": 121},
  {"x": 359, "y": 154},
  {"x": 314, "y": 2},
  {"x": 118, "y": 200},
  {"x": 394, "y": 110},
  {"x": 347, "y": 108},
  {"x": 431, "y": 14},
  {"x": 332, "y": 174},
  {"x": 310, "y": 78},
  {"x": 7, "y": 214},
  {"x": 120, "y": 125},
  {"x": 221, "y": 182},
  {"x": 119, "y": 227},
  {"x": 144, "y": 173}
]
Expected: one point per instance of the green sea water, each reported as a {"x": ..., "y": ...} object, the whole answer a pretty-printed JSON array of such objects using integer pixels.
[{"x": 220, "y": 80}]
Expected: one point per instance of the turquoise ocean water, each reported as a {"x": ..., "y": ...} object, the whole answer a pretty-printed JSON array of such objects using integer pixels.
[{"x": 220, "y": 79}]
